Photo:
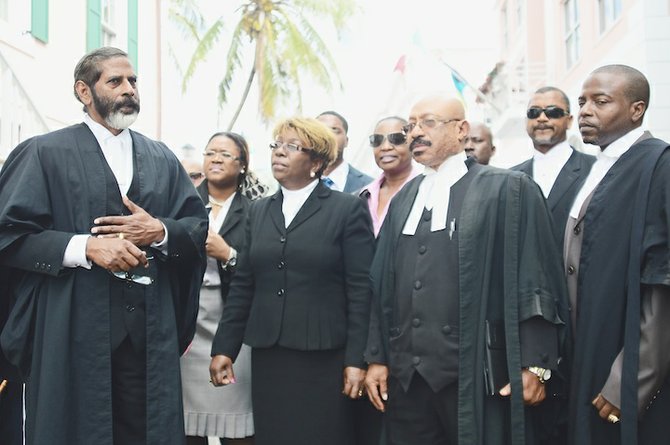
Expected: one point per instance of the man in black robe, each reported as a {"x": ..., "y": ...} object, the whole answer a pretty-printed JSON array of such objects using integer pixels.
[
  {"x": 104, "y": 237},
  {"x": 616, "y": 259},
  {"x": 465, "y": 248}
]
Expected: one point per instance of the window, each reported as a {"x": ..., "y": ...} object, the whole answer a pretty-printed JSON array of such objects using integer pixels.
[
  {"x": 571, "y": 32},
  {"x": 132, "y": 32},
  {"x": 608, "y": 11},
  {"x": 93, "y": 25},
  {"x": 107, "y": 22}
]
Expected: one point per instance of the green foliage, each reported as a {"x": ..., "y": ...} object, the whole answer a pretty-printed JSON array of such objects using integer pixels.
[{"x": 285, "y": 43}]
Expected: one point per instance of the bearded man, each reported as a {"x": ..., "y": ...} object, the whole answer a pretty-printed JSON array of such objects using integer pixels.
[{"x": 103, "y": 234}]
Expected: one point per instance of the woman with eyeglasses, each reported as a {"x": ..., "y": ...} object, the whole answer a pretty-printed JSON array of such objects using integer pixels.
[
  {"x": 225, "y": 413},
  {"x": 393, "y": 156},
  {"x": 300, "y": 297}
]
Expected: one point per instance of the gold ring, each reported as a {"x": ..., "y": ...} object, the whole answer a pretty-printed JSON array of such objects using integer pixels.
[
  {"x": 613, "y": 418},
  {"x": 360, "y": 393},
  {"x": 121, "y": 235}
]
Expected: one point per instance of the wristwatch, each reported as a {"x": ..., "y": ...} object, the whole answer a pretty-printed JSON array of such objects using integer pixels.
[
  {"x": 542, "y": 374},
  {"x": 232, "y": 260}
]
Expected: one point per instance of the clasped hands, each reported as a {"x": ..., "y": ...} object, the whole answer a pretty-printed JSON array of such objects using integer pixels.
[{"x": 114, "y": 245}]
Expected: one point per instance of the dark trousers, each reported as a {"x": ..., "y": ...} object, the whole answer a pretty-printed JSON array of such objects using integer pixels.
[
  {"x": 367, "y": 422},
  {"x": 11, "y": 414},
  {"x": 129, "y": 394},
  {"x": 421, "y": 416}
]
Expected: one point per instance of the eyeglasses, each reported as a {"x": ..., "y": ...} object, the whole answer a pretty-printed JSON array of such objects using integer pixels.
[
  {"x": 224, "y": 154},
  {"x": 133, "y": 277},
  {"x": 425, "y": 123},
  {"x": 196, "y": 175},
  {"x": 288, "y": 146},
  {"x": 551, "y": 112},
  {"x": 394, "y": 138}
]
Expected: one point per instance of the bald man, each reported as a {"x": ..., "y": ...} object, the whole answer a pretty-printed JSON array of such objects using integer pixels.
[
  {"x": 616, "y": 258},
  {"x": 479, "y": 267},
  {"x": 479, "y": 143}
]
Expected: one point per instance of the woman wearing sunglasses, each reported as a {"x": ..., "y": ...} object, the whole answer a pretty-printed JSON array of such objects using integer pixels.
[
  {"x": 393, "y": 156},
  {"x": 300, "y": 297}
]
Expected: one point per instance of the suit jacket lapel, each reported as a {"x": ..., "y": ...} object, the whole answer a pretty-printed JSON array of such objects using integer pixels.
[
  {"x": 234, "y": 215},
  {"x": 311, "y": 206},
  {"x": 276, "y": 214},
  {"x": 94, "y": 160},
  {"x": 566, "y": 177}
]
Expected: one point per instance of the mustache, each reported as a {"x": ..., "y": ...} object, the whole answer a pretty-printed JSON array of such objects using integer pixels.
[
  {"x": 416, "y": 142},
  {"x": 127, "y": 102},
  {"x": 543, "y": 127}
]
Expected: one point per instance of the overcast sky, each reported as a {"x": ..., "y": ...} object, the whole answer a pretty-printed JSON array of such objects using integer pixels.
[{"x": 429, "y": 32}]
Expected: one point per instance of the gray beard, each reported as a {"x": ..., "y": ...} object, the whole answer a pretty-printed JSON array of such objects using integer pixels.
[{"x": 121, "y": 121}]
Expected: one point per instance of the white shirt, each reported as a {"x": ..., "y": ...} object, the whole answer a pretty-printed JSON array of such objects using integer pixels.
[
  {"x": 605, "y": 159},
  {"x": 339, "y": 176},
  {"x": 434, "y": 193},
  {"x": 547, "y": 166},
  {"x": 212, "y": 277},
  {"x": 294, "y": 199},
  {"x": 118, "y": 152}
]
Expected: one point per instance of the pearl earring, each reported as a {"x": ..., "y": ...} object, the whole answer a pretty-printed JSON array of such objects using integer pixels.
[
  {"x": 312, "y": 174},
  {"x": 242, "y": 171}
]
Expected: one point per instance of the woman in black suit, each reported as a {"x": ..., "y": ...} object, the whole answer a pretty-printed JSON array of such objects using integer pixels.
[
  {"x": 300, "y": 297},
  {"x": 209, "y": 412}
]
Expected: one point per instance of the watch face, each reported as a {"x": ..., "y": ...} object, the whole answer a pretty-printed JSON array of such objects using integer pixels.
[
  {"x": 232, "y": 262},
  {"x": 546, "y": 375}
]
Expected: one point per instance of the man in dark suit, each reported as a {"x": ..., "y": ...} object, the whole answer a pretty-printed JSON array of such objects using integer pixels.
[
  {"x": 341, "y": 175},
  {"x": 479, "y": 143},
  {"x": 465, "y": 249},
  {"x": 616, "y": 258},
  {"x": 107, "y": 234},
  {"x": 558, "y": 169}
]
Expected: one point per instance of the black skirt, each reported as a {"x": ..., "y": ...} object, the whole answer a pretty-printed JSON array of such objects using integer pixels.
[{"x": 297, "y": 397}]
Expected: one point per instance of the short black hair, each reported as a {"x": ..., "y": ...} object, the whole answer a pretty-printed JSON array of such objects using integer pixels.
[
  {"x": 637, "y": 85},
  {"x": 241, "y": 145},
  {"x": 345, "y": 124},
  {"x": 88, "y": 68},
  {"x": 550, "y": 89}
]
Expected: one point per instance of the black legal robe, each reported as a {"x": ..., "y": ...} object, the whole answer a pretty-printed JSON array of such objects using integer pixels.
[
  {"x": 509, "y": 269},
  {"x": 58, "y": 333}
]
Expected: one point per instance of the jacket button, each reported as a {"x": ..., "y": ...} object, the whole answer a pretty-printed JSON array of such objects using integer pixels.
[
  {"x": 37, "y": 265},
  {"x": 280, "y": 293},
  {"x": 446, "y": 329},
  {"x": 130, "y": 308},
  {"x": 571, "y": 270},
  {"x": 416, "y": 360},
  {"x": 427, "y": 217},
  {"x": 417, "y": 285},
  {"x": 422, "y": 249},
  {"x": 282, "y": 239},
  {"x": 374, "y": 350},
  {"x": 576, "y": 230},
  {"x": 280, "y": 265},
  {"x": 416, "y": 322},
  {"x": 48, "y": 266}
]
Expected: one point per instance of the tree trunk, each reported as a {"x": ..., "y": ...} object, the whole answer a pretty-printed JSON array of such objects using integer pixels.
[{"x": 243, "y": 100}]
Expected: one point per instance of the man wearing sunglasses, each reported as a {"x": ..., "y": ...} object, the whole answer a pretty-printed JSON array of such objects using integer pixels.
[
  {"x": 340, "y": 175},
  {"x": 556, "y": 167},
  {"x": 616, "y": 258},
  {"x": 465, "y": 265}
]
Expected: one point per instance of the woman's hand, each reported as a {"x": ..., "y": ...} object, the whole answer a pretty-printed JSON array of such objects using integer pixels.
[
  {"x": 353, "y": 382},
  {"x": 221, "y": 370}
]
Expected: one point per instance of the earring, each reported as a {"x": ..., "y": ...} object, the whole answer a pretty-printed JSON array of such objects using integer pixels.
[
  {"x": 312, "y": 174},
  {"x": 242, "y": 171}
]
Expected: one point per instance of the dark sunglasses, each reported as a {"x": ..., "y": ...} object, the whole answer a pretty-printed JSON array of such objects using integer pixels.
[
  {"x": 551, "y": 112},
  {"x": 394, "y": 138}
]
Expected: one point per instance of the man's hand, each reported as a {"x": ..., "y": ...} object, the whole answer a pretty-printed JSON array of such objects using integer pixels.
[
  {"x": 353, "y": 382},
  {"x": 221, "y": 370},
  {"x": 139, "y": 228},
  {"x": 376, "y": 385},
  {"x": 606, "y": 410},
  {"x": 216, "y": 246},
  {"x": 533, "y": 390},
  {"x": 115, "y": 254}
]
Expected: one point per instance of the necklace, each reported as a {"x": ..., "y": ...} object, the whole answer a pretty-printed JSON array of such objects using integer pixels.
[{"x": 214, "y": 202}]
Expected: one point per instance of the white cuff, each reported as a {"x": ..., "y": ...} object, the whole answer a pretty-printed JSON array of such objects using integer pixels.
[
  {"x": 162, "y": 245},
  {"x": 75, "y": 252}
]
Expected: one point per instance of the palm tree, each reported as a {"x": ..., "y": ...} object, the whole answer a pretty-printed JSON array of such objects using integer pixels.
[{"x": 285, "y": 43}]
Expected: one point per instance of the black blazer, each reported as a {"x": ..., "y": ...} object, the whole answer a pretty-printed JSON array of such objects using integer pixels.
[
  {"x": 565, "y": 188},
  {"x": 356, "y": 180},
  {"x": 232, "y": 230},
  {"x": 304, "y": 287}
]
